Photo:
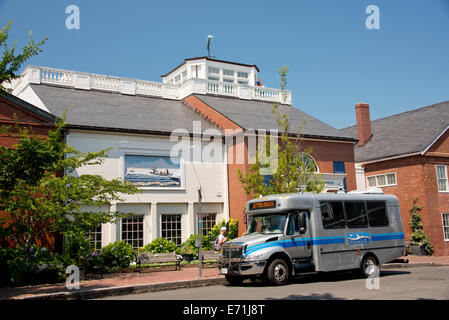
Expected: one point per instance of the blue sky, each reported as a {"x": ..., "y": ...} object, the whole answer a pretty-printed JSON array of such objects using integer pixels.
[{"x": 334, "y": 60}]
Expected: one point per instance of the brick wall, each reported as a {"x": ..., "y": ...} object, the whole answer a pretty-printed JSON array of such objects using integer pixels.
[
  {"x": 37, "y": 125},
  {"x": 416, "y": 178}
]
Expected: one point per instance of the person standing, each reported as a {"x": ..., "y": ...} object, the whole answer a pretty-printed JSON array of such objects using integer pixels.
[{"x": 221, "y": 239}]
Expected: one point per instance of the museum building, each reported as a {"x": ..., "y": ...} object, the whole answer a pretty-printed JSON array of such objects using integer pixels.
[{"x": 170, "y": 138}]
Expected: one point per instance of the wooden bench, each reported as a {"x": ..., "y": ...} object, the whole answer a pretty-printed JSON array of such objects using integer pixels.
[
  {"x": 210, "y": 255},
  {"x": 149, "y": 258}
]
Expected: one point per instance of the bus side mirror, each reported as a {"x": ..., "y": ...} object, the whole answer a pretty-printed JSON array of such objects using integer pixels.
[{"x": 302, "y": 222}]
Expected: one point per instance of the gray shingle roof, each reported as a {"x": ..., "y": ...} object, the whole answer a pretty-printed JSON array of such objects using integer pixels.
[
  {"x": 258, "y": 115},
  {"x": 116, "y": 111},
  {"x": 403, "y": 133}
]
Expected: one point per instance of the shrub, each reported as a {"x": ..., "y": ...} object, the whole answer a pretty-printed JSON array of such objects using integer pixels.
[
  {"x": 418, "y": 235},
  {"x": 40, "y": 267},
  {"x": 7, "y": 254},
  {"x": 231, "y": 233},
  {"x": 190, "y": 248},
  {"x": 160, "y": 245},
  {"x": 77, "y": 249},
  {"x": 117, "y": 255}
]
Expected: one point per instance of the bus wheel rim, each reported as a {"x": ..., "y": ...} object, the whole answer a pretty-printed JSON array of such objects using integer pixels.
[{"x": 280, "y": 272}]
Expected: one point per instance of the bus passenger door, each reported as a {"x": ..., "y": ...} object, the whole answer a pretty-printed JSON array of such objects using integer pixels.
[{"x": 298, "y": 242}]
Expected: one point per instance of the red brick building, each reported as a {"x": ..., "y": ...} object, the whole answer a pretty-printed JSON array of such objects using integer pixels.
[
  {"x": 332, "y": 151},
  {"x": 407, "y": 155},
  {"x": 31, "y": 117}
]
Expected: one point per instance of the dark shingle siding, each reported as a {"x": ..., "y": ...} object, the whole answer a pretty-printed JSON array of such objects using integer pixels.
[
  {"x": 404, "y": 133},
  {"x": 116, "y": 111},
  {"x": 258, "y": 115}
]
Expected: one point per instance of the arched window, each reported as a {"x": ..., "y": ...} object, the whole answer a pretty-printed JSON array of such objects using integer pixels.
[{"x": 309, "y": 161}]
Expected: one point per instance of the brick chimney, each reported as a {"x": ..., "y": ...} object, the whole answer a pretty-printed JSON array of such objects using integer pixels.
[{"x": 363, "y": 123}]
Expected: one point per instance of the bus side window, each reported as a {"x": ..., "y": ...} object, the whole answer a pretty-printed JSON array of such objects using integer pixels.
[
  {"x": 356, "y": 214},
  {"x": 377, "y": 213},
  {"x": 291, "y": 224},
  {"x": 332, "y": 215}
]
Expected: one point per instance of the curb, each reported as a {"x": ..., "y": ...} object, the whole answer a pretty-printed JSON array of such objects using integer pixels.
[
  {"x": 124, "y": 290},
  {"x": 411, "y": 265}
]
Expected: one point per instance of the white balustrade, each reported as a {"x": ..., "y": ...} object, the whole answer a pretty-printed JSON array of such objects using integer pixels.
[
  {"x": 55, "y": 76},
  {"x": 148, "y": 88},
  {"x": 88, "y": 81},
  {"x": 101, "y": 82}
]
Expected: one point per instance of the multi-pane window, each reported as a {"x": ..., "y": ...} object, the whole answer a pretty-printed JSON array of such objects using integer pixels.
[
  {"x": 213, "y": 78},
  {"x": 95, "y": 238},
  {"x": 228, "y": 73},
  {"x": 177, "y": 78},
  {"x": 208, "y": 222},
  {"x": 228, "y": 80},
  {"x": 242, "y": 74},
  {"x": 307, "y": 163},
  {"x": 242, "y": 82},
  {"x": 446, "y": 226},
  {"x": 171, "y": 227},
  {"x": 442, "y": 178},
  {"x": 132, "y": 231},
  {"x": 213, "y": 70},
  {"x": 382, "y": 180},
  {"x": 195, "y": 71}
]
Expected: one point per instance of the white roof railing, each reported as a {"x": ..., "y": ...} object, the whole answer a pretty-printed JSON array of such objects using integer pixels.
[{"x": 90, "y": 81}]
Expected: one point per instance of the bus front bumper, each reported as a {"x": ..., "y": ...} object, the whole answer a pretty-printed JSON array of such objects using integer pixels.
[{"x": 242, "y": 268}]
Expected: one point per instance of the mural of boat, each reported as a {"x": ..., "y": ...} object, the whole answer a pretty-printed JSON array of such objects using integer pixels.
[{"x": 154, "y": 177}]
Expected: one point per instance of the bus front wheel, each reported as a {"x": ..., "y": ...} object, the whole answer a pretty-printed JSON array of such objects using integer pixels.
[{"x": 278, "y": 272}]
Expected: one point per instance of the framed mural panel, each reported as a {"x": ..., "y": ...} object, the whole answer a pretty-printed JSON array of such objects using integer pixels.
[{"x": 153, "y": 171}]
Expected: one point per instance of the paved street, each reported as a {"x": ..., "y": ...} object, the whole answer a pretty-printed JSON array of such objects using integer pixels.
[{"x": 395, "y": 284}]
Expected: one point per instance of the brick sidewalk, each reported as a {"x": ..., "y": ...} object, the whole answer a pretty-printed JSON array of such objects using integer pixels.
[
  {"x": 135, "y": 279},
  {"x": 127, "y": 283}
]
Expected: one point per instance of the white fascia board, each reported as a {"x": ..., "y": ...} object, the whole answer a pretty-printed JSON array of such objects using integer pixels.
[{"x": 434, "y": 140}]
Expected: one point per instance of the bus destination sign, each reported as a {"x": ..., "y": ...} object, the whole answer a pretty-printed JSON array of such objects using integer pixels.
[{"x": 262, "y": 205}]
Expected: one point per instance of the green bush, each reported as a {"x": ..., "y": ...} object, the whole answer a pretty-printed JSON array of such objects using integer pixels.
[
  {"x": 230, "y": 234},
  {"x": 160, "y": 245},
  {"x": 418, "y": 235},
  {"x": 117, "y": 255},
  {"x": 7, "y": 254},
  {"x": 37, "y": 265},
  {"x": 189, "y": 247}
]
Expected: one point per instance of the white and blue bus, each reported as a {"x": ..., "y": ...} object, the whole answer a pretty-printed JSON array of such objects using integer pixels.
[{"x": 289, "y": 234}]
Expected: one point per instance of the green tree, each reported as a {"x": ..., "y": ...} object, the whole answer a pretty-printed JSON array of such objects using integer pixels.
[
  {"x": 418, "y": 235},
  {"x": 295, "y": 172},
  {"x": 12, "y": 62},
  {"x": 39, "y": 199}
]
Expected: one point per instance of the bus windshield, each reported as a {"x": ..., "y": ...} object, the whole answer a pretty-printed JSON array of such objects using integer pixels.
[{"x": 267, "y": 223}]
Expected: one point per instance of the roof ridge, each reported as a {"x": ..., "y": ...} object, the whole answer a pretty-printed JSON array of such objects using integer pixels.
[{"x": 402, "y": 113}]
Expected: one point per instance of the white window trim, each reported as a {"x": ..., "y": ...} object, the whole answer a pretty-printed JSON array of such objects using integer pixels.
[
  {"x": 386, "y": 180},
  {"x": 442, "y": 222},
  {"x": 143, "y": 227},
  {"x": 447, "y": 182},
  {"x": 160, "y": 222}
]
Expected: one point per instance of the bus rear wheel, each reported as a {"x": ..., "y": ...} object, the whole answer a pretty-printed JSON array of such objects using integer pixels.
[
  {"x": 278, "y": 272},
  {"x": 369, "y": 263}
]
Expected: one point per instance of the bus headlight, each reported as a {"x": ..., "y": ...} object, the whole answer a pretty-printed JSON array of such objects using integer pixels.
[{"x": 254, "y": 257}]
